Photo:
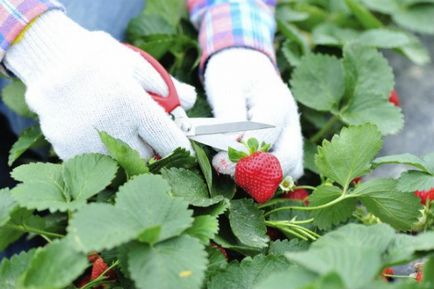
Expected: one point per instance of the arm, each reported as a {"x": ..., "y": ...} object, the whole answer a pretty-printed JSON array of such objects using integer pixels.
[{"x": 224, "y": 23}]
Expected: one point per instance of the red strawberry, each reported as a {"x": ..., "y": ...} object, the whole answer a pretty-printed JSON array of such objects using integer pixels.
[
  {"x": 259, "y": 175},
  {"x": 356, "y": 181},
  {"x": 386, "y": 272},
  {"x": 221, "y": 249},
  {"x": 300, "y": 195},
  {"x": 425, "y": 195},
  {"x": 419, "y": 276},
  {"x": 99, "y": 267},
  {"x": 394, "y": 98}
]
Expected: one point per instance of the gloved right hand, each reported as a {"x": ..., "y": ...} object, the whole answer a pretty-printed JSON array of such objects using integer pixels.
[{"x": 81, "y": 82}]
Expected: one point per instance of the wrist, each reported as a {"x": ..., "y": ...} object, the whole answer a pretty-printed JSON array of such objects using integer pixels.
[{"x": 48, "y": 42}]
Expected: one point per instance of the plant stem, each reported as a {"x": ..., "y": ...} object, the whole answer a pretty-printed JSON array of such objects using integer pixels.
[
  {"x": 26, "y": 229},
  {"x": 329, "y": 204},
  {"x": 325, "y": 129},
  {"x": 312, "y": 188}
]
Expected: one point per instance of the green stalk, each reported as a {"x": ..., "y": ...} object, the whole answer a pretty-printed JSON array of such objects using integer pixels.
[
  {"x": 325, "y": 130},
  {"x": 329, "y": 204},
  {"x": 27, "y": 229}
]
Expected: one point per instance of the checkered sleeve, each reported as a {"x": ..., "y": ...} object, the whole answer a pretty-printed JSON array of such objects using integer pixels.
[
  {"x": 15, "y": 15},
  {"x": 234, "y": 23}
]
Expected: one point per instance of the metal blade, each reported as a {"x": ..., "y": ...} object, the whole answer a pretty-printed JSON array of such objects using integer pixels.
[
  {"x": 218, "y": 141},
  {"x": 215, "y": 126}
]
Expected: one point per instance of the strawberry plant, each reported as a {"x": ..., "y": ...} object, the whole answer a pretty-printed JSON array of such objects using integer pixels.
[{"x": 118, "y": 221}]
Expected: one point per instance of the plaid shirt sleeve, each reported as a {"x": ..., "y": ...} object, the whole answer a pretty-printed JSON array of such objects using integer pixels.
[
  {"x": 15, "y": 15},
  {"x": 234, "y": 23}
]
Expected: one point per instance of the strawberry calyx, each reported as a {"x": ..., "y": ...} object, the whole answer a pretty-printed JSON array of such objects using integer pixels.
[{"x": 252, "y": 146}]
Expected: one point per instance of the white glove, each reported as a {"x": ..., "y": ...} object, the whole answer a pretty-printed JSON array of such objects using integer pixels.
[
  {"x": 82, "y": 82},
  {"x": 242, "y": 84}
]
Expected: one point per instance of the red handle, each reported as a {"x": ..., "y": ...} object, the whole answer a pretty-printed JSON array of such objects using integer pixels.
[{"x": 170, "y": 102}]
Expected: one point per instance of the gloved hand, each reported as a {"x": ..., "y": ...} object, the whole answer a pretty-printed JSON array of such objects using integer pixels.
[
  {"x": 81, "y": 82},
  {"x": 242, "y": 84}
]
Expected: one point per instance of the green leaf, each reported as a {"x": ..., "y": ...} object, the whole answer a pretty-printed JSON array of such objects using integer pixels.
[
  {"x": 128, "y": 158},
  {"x": 384, "y": 38},
  {"x": 280, "y": 247},
  {"x": 428, "y": 273},
  {"x": 369, "y": 80},
  {"x": 412, "y": 181},
  {"x": 63, "y": 187},
  {"x": 326, "y": 218},
  {"x": 310, "y": 150},
  {"x": 318, "y": 82},
  {"x": 42, "y": 188},
  {"x": 404, "y": 159},
  {"x": 248, "y": 223},
  {"x": 7, "y": 205},
  {"x": 171, "y": 10},
  {"x": 54, "y": 266},
  {"x": 149, "y": 24},
  {"x": 294, "y": 278},
  {"x": 86, "y": 175},
  {"x": 381, "y": 198},
  {"x": 365, "y": 17},
  {"x": 347, "y": 250},
  {"x": 204, "y": 164},
  {"x": 176, "y": 263},
  {"x": 349, "y": 154},
  {"x": 204, "y": 228},
  {"x": 13, "y": 97},
  {"x": 156, "y": 45},
  {"x": 11, "y": 270},
  {"x": 248, "y": 273},
  {"x": 416, "y": 51},
  {"x": 26, "y": 140},
  {"x": 180, "y": 158},
  {"x": 384, "y": 6},
  {"x": 189, "y": 186},
  {"x": 143, "y": 203},
  {"x": 417, "y": 18},
  {"x": 404, "y": 247},
  {"x": 216, "y": 261},
  {"x": 333, "y": 35}
]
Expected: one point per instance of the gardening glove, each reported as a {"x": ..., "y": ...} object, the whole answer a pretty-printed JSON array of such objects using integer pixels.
[
  {"x": 242, "y": 84},
  {"x": 81, "y": 82}
]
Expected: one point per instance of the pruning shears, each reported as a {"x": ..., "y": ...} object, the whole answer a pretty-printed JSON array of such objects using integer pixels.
[{"x": 209, "y": 131}]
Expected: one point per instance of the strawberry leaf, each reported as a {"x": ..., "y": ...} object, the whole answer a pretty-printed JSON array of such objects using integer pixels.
[
  {"x": 247, "y": 223},
  {"x": 204, "y": 228},
  {"x": 28, "y": 138},
  {"x": 280, "y": 247},
  {"x": 142, "y": 203},
  {"x": 7, "y": 205},
  {"x": 349, "y": 154},
  {"x": 318, "y": 82},
  {"x": 63, "y": 187},
  {"x": 345, "y": 251},
  {"x": 54, "y": 266},
  {"x": 128, "y": 158},
  {"x": 369, "y": 80},
  {"x": 189, "y": 186},
  {"x": 412, "y": 181},
  {"x": 293, "y": 278},
  {"x": 381, "y": 198},
  {"x": 405, "y": 159},
  {"x": 180, "y": 158},
  {"x": 248, "y": 273},
  {"x": 13, "y": 96},
  {"x": 328, "y": 217},
  {"x": 11, "y": 270},
  {"x": 204, "y": 164},
  {"x": 181, "y": 264}
]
